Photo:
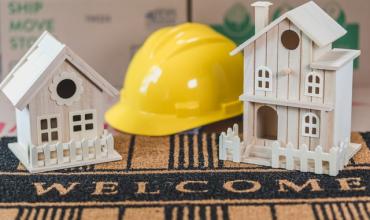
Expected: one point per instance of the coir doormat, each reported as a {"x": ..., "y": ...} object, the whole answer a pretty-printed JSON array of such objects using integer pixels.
[{"x": 180, "y": 177}]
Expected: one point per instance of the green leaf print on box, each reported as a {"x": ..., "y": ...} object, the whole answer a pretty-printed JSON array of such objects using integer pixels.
[{"x": 238, "y": 24}]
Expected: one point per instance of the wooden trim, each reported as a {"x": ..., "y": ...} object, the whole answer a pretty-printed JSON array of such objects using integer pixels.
[{"x": 295, "y": 104}]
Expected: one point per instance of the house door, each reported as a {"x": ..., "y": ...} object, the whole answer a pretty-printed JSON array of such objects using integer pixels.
[
  {"x": 82, "y": 124},
  {"x": 267, "y": 123}
]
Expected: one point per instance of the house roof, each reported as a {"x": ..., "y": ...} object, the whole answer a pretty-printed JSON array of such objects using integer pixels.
[
  {"x": 310, "y": 19},
  {"x": 335, "y": 59},
  {"x": 36, "y": 67}
]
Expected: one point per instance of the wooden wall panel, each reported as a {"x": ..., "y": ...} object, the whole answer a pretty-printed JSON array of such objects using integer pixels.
[
  {"x": 249, "y": 122},
  {"x": 294, "y": 65},
  {"x": 260, "y": 58},
  {"x": 282, "y": 123},
  {"x": 283, "y": 63},
  {"x": 293, "y": 126},
  {"x": 272, "y": 58},
  {"x": 249, "y": 69},
  {"x": 42, "y": 104}
]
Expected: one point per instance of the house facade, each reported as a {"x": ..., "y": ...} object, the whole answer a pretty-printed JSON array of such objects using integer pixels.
[
  {"x": 59, "y": 103},
  {"x": 297, "y": 89}
]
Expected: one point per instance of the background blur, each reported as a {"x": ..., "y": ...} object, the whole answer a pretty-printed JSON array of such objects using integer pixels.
[{"x": 107, "y": 33}]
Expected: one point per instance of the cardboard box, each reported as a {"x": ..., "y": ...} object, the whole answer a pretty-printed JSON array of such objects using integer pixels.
[
  {"x": 105, "y": 33},
  {"x": 235, "y": 19}
]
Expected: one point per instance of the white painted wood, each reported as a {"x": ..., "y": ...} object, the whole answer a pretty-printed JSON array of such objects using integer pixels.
[
  {"x": 249, "y": 69},
  {"x": 272, "y": 58},
  {"x": 309, "y": 18},
  {"x": 343, "y": 103},
  {"x": 31, "y": 87},
  {"x": 316, "y": 23},
  {"x": 298, "y": 159},
  {"x": 302, "y": 140},
  {"x": 306, "y": 59},
  {"x": 54, "y": 158},
  {"x": 263, "y": 83},
  {"x": 318, "y": 52},
  {"x": 90, "y": 99},
  {"x": 283, "y": 63},
  {"x": 315, "y": 140},
  {"x": 282, "y": 112},
  {"x": 83, "y": 123},
  {"x": 36, "y": 67},
  {"x": 335, "y": 59},
  {"x": 314, "y": 85},
  {"x": 261, "y": 13},
  {"x": 293, "y": 124},
  {"x": 249, "y": 122},
  {"x": 311, "y": 125},
  {"x": 329, "y": 87},
  {"x": 260, "y": 63},
  {"x": 327, "y": 150},
  {"x": 295, "y": 67},
  {"x": 230, "y": 141},
  {"x": 23, "y": 127},
  {"x": 318, "y": 98},
  {"x": 282, "y": 102}
]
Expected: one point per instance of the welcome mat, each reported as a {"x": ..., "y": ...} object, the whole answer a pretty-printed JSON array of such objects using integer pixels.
[{"x": 180, "y": 177}]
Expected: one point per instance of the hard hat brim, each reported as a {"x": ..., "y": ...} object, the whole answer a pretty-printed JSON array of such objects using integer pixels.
[{"x": 122, "y": 118}]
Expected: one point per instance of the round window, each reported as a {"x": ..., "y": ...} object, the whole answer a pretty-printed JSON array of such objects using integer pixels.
[
  {"x": 66, "y": 88},
  {"x": 290, "y": 39}
]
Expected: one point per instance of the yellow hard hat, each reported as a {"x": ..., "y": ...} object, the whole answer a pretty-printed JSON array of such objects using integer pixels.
[{"x": 181, "y": 78}]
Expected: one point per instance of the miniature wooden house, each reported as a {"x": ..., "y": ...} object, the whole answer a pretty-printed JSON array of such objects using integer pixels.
[
  {"x": 297, "y": 93},
  {"x": 59, "y": 113}
]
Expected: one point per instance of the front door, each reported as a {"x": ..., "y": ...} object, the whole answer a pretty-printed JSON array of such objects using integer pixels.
[
  {"x": 83, "y": 124},
  {"x": 267, "y": 123}
]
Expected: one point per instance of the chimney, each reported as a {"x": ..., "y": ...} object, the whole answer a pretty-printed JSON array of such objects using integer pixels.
[{"x": 261, "y": 14}]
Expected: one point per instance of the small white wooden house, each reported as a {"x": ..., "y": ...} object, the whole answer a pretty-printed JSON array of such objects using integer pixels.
[
  {"x": 297, "y": 93},
  {"x": 59, "y": 112}
]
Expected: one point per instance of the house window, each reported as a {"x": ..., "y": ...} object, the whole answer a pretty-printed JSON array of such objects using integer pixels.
[
  {"x": 263, "y": 79},
  {"x": 310, "y": 125},
  {"x": 66, "y": 88},
  {"x": 48, "y": 128},
  {"x": 313, "y": 86},
  {"x": 83, "y": 123}
]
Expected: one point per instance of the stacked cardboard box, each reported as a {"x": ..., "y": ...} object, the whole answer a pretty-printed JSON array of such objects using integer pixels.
[{"x": 105, "y": 33}]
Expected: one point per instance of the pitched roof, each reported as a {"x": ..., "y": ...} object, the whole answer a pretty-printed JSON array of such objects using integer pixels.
[
  {"x": 310, "y": 19},
  {"x": 335, "y": 59},
  {"x": 36, "y": 67}
]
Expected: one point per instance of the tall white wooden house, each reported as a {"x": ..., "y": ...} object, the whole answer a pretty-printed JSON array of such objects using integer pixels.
[
  {"x": 297, "y": 93},
  {"x": 59, "y": 112}
]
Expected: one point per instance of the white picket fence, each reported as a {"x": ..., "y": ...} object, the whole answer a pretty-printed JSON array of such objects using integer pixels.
[
  {"x": 305, "y": 160},
  {"x": 72, "y": 152},
  {"x": 230, "y": 142}
]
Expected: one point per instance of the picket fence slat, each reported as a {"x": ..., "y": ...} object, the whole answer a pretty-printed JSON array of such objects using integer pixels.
[
  {"x": 334, "y": 158},
  {"x": 60, "y": 153},
  {"x": 230, "y": 141}
]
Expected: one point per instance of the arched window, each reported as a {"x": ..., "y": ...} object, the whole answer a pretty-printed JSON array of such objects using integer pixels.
[
  {"x": 310, "y": 125},
  {"x": 263, "y": 79},
  {"x": 313, "y": 85}
]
